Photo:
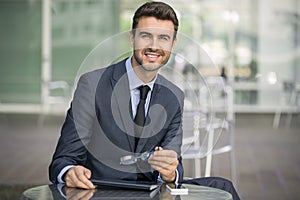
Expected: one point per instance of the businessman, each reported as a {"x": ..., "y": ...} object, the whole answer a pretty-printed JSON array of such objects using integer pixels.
[
  {"x": 127, "y": 110},
  {"x": 104, "y": 122}
]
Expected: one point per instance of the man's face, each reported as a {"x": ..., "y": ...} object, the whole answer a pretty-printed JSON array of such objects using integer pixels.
[{"x": 152, "y": 43}]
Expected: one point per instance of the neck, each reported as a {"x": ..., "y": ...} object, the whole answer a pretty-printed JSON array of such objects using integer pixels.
[
  {"x": 142, "y": 74},
  {"x": 145, "y": 76}
]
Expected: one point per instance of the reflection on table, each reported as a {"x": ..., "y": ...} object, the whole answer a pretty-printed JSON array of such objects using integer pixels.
[{"x": 60, "y": 191}]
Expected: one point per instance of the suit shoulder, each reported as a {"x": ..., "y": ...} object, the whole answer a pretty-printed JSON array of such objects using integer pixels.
[
  {"x": 108, "y": 71},
  {"x": 165, "y": 82}
]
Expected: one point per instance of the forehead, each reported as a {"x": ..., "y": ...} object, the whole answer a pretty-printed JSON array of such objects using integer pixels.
[{"x": 154, "y": 25}]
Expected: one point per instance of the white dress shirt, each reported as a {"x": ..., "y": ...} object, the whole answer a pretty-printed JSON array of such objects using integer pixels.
[{"x": 134, "y": 83}]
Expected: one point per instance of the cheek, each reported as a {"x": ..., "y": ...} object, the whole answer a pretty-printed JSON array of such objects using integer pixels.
[
  {"x": 136, "y": 46},
  {"x": 139, "y": 51},
  {"x": 167, "y": 48}
]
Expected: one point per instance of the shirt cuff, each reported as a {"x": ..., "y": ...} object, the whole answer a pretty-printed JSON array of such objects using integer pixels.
[
  {"x": 60, "y": 189},
  {"x": 62, "y": 172}
]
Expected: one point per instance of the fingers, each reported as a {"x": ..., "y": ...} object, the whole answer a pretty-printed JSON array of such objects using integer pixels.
[
  {"x": 79, "y": 176},
  {"x": 165, "y": 169},
  {"x": 75, "y": 194},
  {"x": 161, "y": 165},
  {"x": 165, "y": 162},
  {"x": 163, "y": 158},
  {"x": 158, "y": 148}
]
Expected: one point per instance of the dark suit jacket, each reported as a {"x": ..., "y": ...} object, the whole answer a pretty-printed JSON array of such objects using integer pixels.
[{"x": 99, "y": 128}]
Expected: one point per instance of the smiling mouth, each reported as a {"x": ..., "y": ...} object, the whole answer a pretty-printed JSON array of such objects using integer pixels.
[{"x": 152, "y": 55}]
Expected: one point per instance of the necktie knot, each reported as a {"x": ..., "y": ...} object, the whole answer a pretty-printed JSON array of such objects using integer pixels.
[
  {"x": 144, "y": 89},
  {"x": 140, "y": 114}
]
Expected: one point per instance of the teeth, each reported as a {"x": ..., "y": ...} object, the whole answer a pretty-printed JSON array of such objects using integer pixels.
[{"x": 152, "y": 56}]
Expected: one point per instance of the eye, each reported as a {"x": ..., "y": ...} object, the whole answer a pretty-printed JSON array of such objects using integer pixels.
[
  {"x": 164, "y": 37},
  {"x": 145, "y": 35}
]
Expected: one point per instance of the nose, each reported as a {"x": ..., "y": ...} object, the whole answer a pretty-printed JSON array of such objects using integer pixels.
[{"x": 154, "y": 45}]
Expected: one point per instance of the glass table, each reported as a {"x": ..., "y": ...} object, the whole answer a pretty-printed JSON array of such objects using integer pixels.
[{"x": 56, "y": 192}]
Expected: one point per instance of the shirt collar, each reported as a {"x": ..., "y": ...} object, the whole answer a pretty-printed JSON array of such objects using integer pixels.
[{"x": 134, "y": 81}]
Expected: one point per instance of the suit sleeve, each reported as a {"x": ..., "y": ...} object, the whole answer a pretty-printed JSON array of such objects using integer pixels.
[
  {"x": 76, "y": 130},
  {"x": 173, "y": 139}
]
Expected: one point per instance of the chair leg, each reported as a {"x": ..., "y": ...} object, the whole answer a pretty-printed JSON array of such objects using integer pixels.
[
  {"x": 233, "y": 167},
  {"x": 276, "y": 119},
  {"x": 197, "y": 167},
  {"x": 293, "y": 102},
  {"x": 232, "y": 154},
  {"x": 209, "y": 152},
  {"x": 42, "y": 115},
  {"x": 196, "y": 120}
]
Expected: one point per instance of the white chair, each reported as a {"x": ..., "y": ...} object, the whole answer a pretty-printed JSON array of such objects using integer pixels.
[
  {"x": 290, "y": 100},
  {"x": 203, "y": 126},
  {"x": 57, "y": 94}
]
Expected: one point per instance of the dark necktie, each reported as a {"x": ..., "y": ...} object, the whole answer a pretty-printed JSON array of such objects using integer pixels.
[{"x": 140, "y": 112}]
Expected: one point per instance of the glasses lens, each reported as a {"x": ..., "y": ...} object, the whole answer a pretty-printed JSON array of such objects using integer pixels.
[
  {"x": 128, "y": 160},
  {"x": 145, "y": 156}
]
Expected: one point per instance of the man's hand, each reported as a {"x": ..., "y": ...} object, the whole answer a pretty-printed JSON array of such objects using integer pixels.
[
  {"x": 79, "y": 176},
  {"x": 165, "y": 162},
  {"x": 75, "y": 194}
]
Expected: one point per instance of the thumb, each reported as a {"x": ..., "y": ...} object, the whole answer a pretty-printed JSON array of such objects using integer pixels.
[
  {"x": 160, "y": 148},
  {"x": 87, "y": 173}
]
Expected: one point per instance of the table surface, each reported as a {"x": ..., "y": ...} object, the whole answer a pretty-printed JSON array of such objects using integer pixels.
[{"x": 61, "y": 192}]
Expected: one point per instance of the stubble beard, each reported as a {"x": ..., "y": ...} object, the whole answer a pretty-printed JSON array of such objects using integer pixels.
[{"x": 150, "y": 67}]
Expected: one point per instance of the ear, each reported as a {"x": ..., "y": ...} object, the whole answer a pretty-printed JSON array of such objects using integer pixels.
[
  {"x": 131, "y": 39},
  {"x": 174, "y": 43}
]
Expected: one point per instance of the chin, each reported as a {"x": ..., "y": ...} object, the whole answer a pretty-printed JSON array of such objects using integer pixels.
[{"x": 151, "y": 67}]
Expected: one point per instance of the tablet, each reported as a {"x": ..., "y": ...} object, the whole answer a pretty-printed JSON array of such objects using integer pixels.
[{"x": 139, "y": 185}]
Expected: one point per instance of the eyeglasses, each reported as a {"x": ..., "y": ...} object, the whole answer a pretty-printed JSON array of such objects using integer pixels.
[{"x": 132, "y": 159}]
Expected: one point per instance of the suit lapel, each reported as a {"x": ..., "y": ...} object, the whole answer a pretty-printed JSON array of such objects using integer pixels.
[{"x": 121, "y": 97}]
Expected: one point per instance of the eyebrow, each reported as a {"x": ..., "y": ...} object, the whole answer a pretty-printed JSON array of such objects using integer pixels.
[
  {"x": 144, "y": 32},
  {"x": 160, "y": 35}
]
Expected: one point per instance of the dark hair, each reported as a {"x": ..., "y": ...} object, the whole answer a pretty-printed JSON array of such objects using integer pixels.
[{"x": 159, "y": 10}]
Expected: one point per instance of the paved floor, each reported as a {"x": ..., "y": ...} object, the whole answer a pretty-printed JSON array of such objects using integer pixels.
[{"x": 268, "y": 160}]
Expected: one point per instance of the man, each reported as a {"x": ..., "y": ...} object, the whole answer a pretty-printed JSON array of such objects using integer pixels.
[
  {"x": 100, "y": 126},
  {"x": 103, "y": 125}
]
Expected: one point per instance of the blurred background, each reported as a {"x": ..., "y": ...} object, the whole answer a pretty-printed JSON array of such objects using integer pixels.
[{"x": 254, "y": 46}]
